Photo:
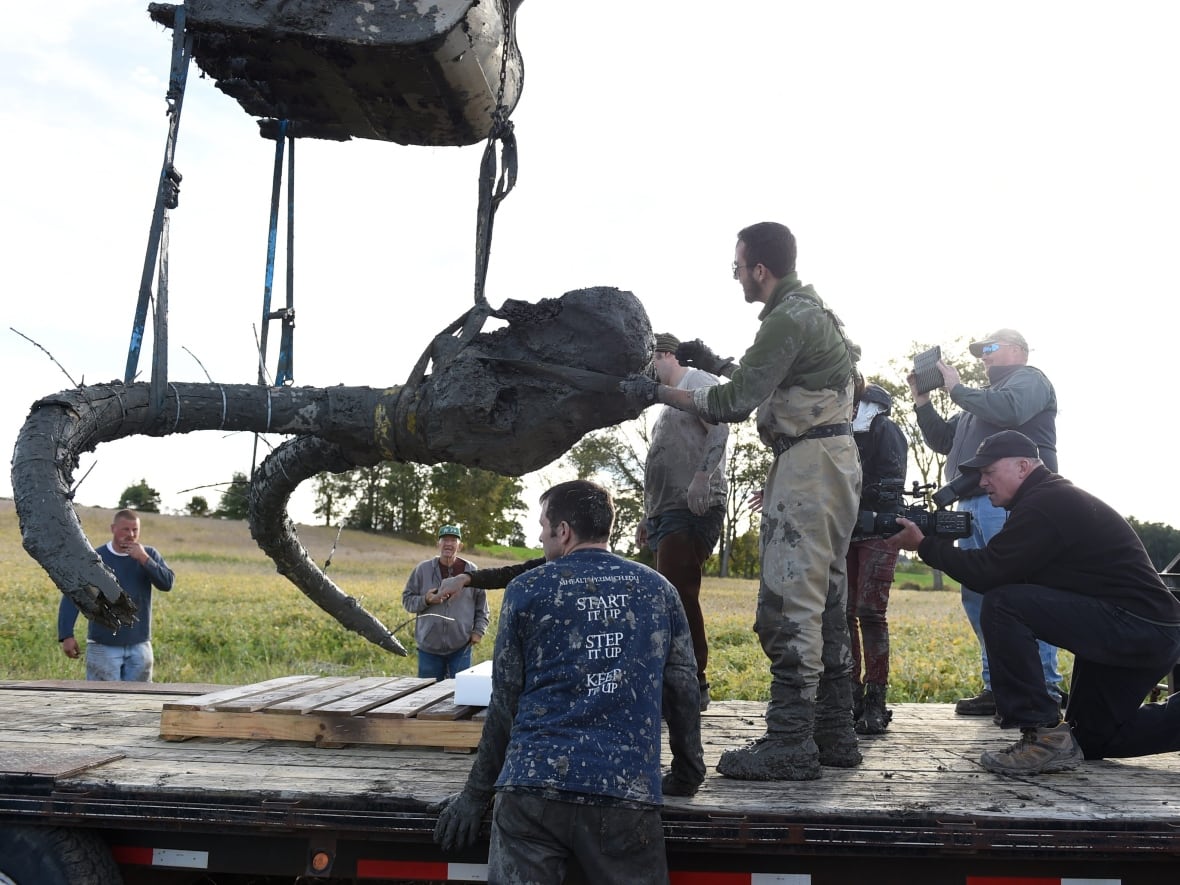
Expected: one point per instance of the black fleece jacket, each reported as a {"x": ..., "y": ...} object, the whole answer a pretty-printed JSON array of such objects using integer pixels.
[{"x": 1060, "y": 536}]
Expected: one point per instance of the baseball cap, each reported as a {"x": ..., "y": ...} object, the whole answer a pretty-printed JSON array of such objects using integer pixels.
[
  {"x": 450, "y": 530},
  {"x": 666, "y": 343},
  {"x": 1005, "y": 444},
  {"x": 1000, "y": 336}
]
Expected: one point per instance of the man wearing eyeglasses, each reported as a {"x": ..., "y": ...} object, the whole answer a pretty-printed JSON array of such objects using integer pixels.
[
  {"x": 799, "y": 376},
  {"x": 1018, "y": 397}
]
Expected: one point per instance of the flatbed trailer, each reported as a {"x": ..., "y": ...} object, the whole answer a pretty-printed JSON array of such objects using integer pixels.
[{"x": 89, "y": 758}]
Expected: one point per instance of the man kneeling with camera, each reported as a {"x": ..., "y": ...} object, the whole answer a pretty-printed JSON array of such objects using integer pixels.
[{"x": 1068, "y": 570}]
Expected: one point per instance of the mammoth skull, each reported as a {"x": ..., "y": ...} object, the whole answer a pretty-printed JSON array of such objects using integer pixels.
[{"x": 480, "y": 405}]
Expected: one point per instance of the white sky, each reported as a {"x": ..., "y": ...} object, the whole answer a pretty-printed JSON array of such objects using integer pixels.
[{"x": 948, "y": 168}]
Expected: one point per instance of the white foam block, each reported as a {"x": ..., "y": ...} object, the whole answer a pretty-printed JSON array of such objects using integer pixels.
[{"x": 474, "y": 686}]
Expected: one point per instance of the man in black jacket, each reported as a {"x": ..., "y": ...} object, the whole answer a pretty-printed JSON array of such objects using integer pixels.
[{"x": 1068, "y": 570}]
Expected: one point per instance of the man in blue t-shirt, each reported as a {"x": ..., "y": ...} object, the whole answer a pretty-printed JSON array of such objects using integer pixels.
[
  {"x": 590, "y": 649},
  {"x": 123, "y": 655}
]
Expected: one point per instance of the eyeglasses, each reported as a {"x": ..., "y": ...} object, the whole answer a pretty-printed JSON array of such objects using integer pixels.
[
  {"x": 737, "y": 267},
  {"x": 989, "y": 349}
]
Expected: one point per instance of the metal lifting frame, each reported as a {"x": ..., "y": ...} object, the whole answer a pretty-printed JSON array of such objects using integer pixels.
[
  {"x": 156, "y": 257},
  {"x": 284, "y": 373},
  {"x": 167, "y": 194}
]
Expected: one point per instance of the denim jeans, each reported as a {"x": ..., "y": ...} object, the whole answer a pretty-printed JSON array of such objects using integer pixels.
[
  {"x": 119, "y": 663},
  {"x": 986, "y": 522},
  {"x": 432, "y": 666}
]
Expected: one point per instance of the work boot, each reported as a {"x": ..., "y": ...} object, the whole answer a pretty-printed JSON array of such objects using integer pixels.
[
  {"x": 983, "y": 704},
  {"x": 834, "y": 732},
  {"x": 704, "y": 696},
  {"x": 772, "y": 758},
  {"x": 839, "y": 748},
  {"x": 858, "y": 700},
  {"x": 1039, "y": 751},
  {"x": 874, "y": 719}
]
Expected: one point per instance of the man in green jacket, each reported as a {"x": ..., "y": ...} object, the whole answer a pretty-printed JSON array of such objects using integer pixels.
[{"x": 798, "y": 375}]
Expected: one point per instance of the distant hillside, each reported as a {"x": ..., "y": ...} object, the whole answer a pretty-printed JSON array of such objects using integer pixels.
[{"x": 187, "y": 536}]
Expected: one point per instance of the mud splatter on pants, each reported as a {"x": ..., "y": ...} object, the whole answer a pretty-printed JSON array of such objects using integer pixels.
[
  {"x": 808, "y": 510},
  {"x": 870, "y": 575}
]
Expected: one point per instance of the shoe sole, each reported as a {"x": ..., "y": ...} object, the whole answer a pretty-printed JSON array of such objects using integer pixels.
[
  {"x": 1049, "y": 768},
  {"x": 794, "y": 773}
]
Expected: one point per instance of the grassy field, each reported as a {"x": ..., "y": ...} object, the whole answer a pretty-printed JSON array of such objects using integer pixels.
[{"x": 231, "y": 619}]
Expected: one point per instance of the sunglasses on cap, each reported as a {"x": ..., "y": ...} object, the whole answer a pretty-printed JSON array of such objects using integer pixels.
[{"x": 990, "y": 348}]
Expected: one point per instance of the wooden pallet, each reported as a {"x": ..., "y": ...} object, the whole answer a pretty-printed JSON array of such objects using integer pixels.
[{"x": 331, "y": 712}]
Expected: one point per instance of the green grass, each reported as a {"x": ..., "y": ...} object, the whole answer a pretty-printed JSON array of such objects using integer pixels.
[{"x": 231, "y": 619}]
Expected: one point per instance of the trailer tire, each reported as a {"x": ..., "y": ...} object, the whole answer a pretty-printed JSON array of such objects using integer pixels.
[{"x": 55, "y": 856}]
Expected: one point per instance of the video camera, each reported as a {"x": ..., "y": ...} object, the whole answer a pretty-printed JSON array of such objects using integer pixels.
[{"x": 890, "y": 495}]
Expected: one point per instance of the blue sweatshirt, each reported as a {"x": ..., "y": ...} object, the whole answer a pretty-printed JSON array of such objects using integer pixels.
[
  {"x": 586, "y": 646},
  {"x": 137, "y": 582}
]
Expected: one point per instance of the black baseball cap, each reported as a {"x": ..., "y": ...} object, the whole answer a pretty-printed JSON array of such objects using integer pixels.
[{"x": 1005, "y": 444}]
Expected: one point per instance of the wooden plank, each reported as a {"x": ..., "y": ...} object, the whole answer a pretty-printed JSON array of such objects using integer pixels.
[
  {"x": 321, "y": 706},
  {"x": 254, "y": 701},
  {"x": 306, "y": 703},
  {"x": 366, "y": 700},
  {"x": 230, "y": 694},
  {"x": 53, "y": 761},
  {"x": 447, "y": 709},
  {"x": 409, "y": 705},
  {"x": 322, "y": 730}
]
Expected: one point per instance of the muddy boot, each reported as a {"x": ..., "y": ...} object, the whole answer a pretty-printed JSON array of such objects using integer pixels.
[
  {"x": 858, "y": 700},
  {"x": 787, "y": 752},
  {"x": 834, "y": 732},
  {"x": 874, "y": 719},
  {"x": 772, "y": 758}
]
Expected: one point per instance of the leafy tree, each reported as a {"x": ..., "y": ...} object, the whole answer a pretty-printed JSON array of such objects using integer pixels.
[
  {"x": 333, "y": 493},
  {"x": 486, "y": 505},
  {"x": 197, "y": 506},
  {"x": 140, "y": 496},
  {"x": 615, "y": 458},
  {"x": 370, "y": 513},
  {"x": 1162, "y": 541},
  {"x": 748, "y": 462},
  {"x": 235, "y": 501},
  {"x": 745, "y": 555},
  {"x": 404, "y": 493}
]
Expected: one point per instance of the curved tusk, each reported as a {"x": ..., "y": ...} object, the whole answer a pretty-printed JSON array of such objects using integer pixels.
[{"x": 270, "y": 488}]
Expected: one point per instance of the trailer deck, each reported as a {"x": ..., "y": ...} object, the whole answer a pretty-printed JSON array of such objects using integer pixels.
[{"x": 920, "y": 808}]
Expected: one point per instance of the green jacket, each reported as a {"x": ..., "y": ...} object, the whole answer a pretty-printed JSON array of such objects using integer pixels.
[{"x": 799, "y": 344}]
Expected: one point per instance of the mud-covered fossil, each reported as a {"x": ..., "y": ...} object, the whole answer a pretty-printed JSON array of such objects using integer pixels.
[{"x": 477, "y": 406}]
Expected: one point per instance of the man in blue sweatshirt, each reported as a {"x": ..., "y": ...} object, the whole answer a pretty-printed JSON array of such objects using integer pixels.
[
  {"x": 123, "y": 655},
  {"x": 592, "y": 650}
]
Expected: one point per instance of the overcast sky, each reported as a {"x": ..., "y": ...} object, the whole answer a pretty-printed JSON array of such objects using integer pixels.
[{"x": 947, "y": 168}]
